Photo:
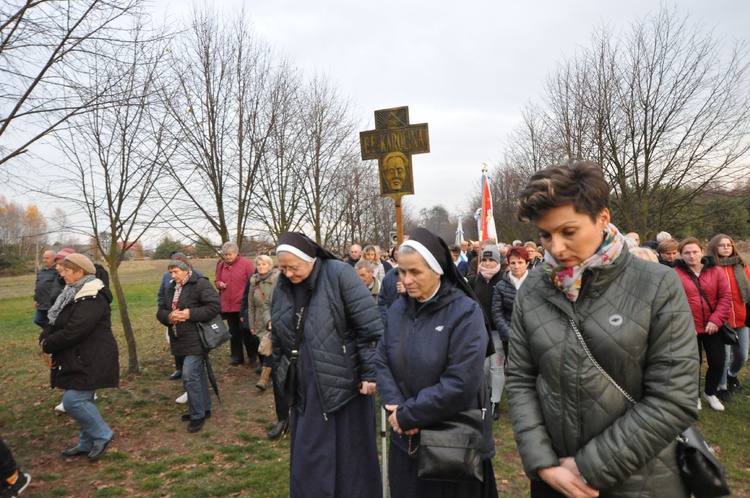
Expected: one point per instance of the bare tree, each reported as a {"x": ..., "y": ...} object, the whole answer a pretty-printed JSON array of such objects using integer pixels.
[
  {"x": 330, "y": 156},
  {"x": 278, "y": 196},
  {"x": 45, "y": 47},
  {"x": 662, "y": 110},
  {"x": 116, "y": 155},
  {"x": 223, "y": 110}
]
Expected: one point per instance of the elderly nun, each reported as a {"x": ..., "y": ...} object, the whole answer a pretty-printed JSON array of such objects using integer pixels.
[{"x": 322, "y": 310}]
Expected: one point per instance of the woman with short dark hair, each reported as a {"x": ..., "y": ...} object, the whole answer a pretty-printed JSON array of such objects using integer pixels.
[{"x": 577, "y": 434}]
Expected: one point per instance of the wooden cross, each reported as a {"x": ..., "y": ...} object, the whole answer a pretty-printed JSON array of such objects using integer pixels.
[{"x": 392, "y": 143}]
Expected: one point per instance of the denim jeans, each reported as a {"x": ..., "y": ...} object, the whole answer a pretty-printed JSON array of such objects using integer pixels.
[
  {"x": 196, "y": 386},
  {"x": 40, "y": 318},
  {"x": 494, "y": 369},
  {"x": 94, "y": 430},
  {"x": 736, "y": 356}
]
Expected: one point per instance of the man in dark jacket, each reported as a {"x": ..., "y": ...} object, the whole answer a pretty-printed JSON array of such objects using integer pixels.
[{"x": 44, "y": 280}]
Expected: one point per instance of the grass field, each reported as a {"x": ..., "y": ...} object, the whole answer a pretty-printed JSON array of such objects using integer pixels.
[{"x": 153, "y": 455}]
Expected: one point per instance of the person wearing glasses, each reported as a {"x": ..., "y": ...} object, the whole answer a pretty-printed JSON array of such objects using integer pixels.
[
  {"x": 325, "y": 327},
  {"x": 735, "y": 269}
]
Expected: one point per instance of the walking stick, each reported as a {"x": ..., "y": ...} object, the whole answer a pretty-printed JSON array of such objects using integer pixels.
[{"x": 382, "y": 448}]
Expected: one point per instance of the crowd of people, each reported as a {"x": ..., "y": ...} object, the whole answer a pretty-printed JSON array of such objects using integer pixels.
[{"x": 435, "y": 330}]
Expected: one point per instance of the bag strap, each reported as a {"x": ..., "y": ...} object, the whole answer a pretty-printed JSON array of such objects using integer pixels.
[
  {"x": 301, "y": 317},
  {"x": 703, "y": 294},
  {"x": 596, "y": 363}
]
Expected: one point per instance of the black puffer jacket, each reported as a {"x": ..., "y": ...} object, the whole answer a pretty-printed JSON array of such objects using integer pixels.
[
  {"x": 200, "y": 297},
  {"x": 484, "y": 291},
  {"x": 83, "y": 349},
  {"x": 342, "y": 328},
  {"x": 502, "y": 306}
]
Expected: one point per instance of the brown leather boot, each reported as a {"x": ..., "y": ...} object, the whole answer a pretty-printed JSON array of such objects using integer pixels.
[{"x": 265, "y": 374}]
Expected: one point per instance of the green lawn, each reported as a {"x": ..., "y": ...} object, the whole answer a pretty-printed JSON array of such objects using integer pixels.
[{"x": 153, "y": 455}]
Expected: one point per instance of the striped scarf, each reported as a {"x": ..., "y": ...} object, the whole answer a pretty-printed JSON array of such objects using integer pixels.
[{"x": 177, "y": 292}]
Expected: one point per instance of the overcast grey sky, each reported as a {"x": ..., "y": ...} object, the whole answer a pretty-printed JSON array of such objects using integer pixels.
[{"x": 466, "y": 68}]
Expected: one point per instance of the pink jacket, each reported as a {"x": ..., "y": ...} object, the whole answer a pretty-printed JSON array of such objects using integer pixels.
[
  {"x": 716, "y": 287},
  {"x": 235, "y": 277}
]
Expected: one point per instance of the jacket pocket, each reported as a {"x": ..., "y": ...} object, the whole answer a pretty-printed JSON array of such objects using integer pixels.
[{"x": 82, "y": 359}]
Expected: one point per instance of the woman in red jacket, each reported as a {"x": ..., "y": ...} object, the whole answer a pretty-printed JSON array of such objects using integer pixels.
[
  {"x": 232, "y": 273},
  {"x": 710, "y": 300},
  {"x": 731, "y": 263}
]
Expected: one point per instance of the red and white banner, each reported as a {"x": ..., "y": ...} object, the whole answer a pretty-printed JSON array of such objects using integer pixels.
[{"x": 487, "y": 229}]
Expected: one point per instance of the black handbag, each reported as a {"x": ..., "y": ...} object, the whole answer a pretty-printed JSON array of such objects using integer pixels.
[
  {"x": 700, "y": 470},
  {"x": 213, "y": 333},
  {"x": 728, "y": 334},
  {"x": 451, "y": 450},
  {"x": 286, "y": 373}
]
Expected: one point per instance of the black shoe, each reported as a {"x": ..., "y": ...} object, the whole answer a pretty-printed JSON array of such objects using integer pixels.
[
  {"x": 725, "y": 396},
  {"x": 74, "y": 451},
  {"x": 175, "y": 375},
  {"x": 15, "y": 489},
  {"x": 279, "y": 429},
  {"x": 234, "y": 362},
  {"x": 186, "y": 417},
  {"x": 733, "y": 384},
  {"x": 196, "y": 425},
  {"x": 97, "y": 451},
  {"x": 495, "y": 411}
]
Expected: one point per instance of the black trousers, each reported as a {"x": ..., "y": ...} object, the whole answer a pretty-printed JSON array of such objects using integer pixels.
[
  {"x": 240, "y": 337},
  {"x": 8, "y": 465},
  {"x": 713, "y": 345}
]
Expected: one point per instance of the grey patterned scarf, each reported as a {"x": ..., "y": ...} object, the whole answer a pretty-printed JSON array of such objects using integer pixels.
[
  {"x": 66, "y": 297},
  {"x": 739, "y": 275}
]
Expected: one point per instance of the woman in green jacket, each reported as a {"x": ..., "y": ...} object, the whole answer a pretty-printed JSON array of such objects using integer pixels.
[{"x": 577, "y": 434}]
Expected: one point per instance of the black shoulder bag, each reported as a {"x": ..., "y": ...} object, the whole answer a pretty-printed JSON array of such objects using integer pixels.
[
  {"x": 450, "y": 450},
  {"x": 728, "y": 334},
  {"x": 700, "y": 470},
  {"x": 286, "y": 374}
]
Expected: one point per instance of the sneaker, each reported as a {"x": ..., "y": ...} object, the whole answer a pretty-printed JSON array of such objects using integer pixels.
[
  {"x": 725, "y": 396},
  {"x": 182, "y": 399},
  {"x": 713, "y": 402},
  {"x": 15, "y": 489},
  {"x": 60, "y": 408},
  {"x": 733, "y": 384}
]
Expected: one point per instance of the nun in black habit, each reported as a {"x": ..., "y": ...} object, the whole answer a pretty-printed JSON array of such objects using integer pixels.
[
  {"x": 322, "y": 309},
  {"x": 430, "y": 364}
]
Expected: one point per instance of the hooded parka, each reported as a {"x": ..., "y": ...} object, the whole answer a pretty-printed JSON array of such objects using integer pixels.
[
  {"x": 83, "y": 348},
  {"x": 637, "y": 323}
]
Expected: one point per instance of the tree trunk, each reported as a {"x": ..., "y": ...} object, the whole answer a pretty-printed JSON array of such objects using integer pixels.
[{"x": 127, "y": 327}]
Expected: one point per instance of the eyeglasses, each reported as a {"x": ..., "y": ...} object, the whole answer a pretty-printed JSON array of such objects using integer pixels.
[{"x": 726, "y": 245}]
